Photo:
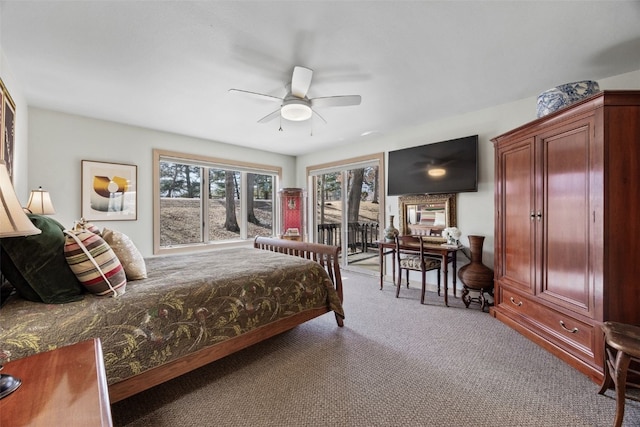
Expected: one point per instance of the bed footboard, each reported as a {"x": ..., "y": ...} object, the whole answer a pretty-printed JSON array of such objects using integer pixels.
[{"x": 325, "y": 255}]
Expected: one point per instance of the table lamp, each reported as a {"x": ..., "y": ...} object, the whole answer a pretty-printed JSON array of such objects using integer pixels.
[
  {"x": 13, "y": 223},
  {"x": 40, "y": 202}
]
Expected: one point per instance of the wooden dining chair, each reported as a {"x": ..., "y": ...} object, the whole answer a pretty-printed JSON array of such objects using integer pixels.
[
  {"x": 622, "y": 352},
  {"x": 410, "y": 255}
]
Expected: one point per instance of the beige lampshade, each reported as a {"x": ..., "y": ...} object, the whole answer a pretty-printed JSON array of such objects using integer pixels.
[
  {"x": 13, "y": 221},
  {"x": 40, "y": 202}
]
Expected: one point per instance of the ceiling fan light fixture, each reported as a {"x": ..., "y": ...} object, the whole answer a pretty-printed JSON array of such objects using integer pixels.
[{"x": 296, "y": 110}]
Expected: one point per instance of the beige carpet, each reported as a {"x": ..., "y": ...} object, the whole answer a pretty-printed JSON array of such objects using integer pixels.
[{"x": 395, "y": 363}]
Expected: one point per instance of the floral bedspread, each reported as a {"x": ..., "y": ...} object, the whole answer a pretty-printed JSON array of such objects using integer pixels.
[{"x": 188, "y": 302}]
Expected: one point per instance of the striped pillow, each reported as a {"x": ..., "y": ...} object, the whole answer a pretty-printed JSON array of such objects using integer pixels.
[
  {"x": 83, "y": 224},
  {"x": 94, "y": 263}
]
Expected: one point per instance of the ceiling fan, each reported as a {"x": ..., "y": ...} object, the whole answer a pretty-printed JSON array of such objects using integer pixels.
[{"x": 296, "y": 106}]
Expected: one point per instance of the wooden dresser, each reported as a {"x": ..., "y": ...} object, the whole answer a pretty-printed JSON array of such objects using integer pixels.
[
  {"x": 63, "y": 387},
  {"x": 567, "y": 226}
]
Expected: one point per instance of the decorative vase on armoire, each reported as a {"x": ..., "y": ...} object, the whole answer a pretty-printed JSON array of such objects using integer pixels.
[{"x": 476, "y": 276}]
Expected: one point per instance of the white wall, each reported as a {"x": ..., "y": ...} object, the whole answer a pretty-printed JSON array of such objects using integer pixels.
[
  {"x": 475, "y": 210},
  {"x": 58, "y": 142}
]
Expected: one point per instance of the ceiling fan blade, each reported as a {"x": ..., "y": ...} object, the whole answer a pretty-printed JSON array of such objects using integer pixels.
[
  {"x": 322, "y": 118},
  {"x": 300, "y": 81},
  {"x": 261, "y": 95},
  {"x": 270, "y": 116},
  {"x": 336, "y": 101}
]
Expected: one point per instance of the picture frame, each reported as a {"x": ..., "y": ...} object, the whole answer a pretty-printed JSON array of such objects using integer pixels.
[
  {"x": 7, "y": 128},
  {"x": 109, "y": 191}
]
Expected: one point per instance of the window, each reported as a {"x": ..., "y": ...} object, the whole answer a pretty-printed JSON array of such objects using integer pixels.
[{"x": 200, "y": 201}]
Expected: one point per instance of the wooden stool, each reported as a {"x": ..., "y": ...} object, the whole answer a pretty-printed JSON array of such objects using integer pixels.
[{"x": 625, "y": 340}]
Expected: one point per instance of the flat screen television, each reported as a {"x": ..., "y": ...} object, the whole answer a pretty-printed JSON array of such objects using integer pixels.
[{"x": 442, "y": 167}]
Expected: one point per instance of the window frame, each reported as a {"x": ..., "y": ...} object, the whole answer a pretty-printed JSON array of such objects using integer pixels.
[{"x": 211, "y": 162}]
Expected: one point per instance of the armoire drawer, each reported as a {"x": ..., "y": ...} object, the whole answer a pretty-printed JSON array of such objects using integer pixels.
[{"x": 573, "y": 335}]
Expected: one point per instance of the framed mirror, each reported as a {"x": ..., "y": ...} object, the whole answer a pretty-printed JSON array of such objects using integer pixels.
[{"x": 427, "y": 215}]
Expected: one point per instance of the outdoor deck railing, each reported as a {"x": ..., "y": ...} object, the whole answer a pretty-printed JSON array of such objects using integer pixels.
[{"x": 361, "y": 235}]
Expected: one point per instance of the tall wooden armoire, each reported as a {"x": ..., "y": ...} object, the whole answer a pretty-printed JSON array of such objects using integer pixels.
[{"x": 567, "y": 227}]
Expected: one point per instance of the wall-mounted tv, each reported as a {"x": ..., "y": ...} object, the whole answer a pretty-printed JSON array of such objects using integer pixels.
[{"x": 442, "y": 167}]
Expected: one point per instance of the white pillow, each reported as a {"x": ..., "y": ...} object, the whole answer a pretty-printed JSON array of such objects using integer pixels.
[{"x": 130, "y": 257}]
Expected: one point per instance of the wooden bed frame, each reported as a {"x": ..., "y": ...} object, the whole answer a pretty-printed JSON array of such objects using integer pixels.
[{"x": 325, "y": 255}]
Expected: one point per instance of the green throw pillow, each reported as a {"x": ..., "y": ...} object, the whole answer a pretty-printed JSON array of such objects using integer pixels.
[{"x": 36, "y": 266}]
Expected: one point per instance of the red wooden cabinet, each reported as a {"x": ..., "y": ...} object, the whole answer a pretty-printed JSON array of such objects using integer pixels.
[{"x": 292, "y": 213}]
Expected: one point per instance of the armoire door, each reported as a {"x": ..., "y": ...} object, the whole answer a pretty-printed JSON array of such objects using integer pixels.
[
  {"x": 566, "y": 215},
  {"x": 517, "y": 267}
]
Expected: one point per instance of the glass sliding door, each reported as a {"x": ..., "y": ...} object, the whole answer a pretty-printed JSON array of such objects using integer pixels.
[
  {"x": 363, "y": 217},
  {"x": 348, "y": 211},
  {"x": 329, "y": 211}
]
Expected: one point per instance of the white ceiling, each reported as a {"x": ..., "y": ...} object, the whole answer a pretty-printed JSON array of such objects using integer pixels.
[{"x": 168, "y": 65}]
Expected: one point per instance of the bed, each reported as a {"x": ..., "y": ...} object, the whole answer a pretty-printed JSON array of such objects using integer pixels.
[{"x": 191, "y": 310}]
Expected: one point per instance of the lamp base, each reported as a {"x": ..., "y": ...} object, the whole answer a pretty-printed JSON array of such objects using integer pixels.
[{"x": 8, "y": 385}]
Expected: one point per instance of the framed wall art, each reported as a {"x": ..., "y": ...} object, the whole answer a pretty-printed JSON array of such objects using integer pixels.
[
  {"x": 7, "y": 128},
  {"x": 109, "y": 191}
]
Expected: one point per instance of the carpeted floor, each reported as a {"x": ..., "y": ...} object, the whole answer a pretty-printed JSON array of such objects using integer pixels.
[{"x": 395, "y": 363}]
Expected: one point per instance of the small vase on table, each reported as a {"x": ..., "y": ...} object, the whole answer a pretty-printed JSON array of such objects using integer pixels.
[{"x": 391, "y": 231}]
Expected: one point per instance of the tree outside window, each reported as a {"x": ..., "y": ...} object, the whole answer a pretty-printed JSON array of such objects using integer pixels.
[{"x": 190, "y": 192}]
